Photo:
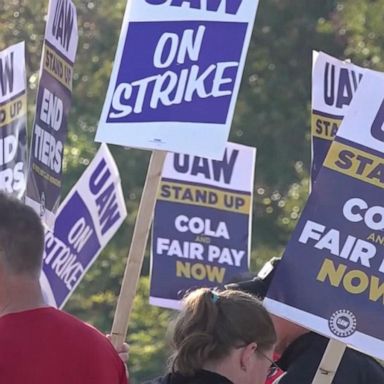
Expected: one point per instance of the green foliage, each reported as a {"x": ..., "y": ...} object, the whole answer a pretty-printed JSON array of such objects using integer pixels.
[
  {"x": 148, "y": 336},
  {"x": 273, "y": 107},
  {"x": 272, "y": 114}
]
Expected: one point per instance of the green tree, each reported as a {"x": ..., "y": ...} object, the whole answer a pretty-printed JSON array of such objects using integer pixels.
[{"x": 272, "y": 113}]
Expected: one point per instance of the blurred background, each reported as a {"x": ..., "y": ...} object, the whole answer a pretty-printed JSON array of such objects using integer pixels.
[{"x": 272, "y": 114}]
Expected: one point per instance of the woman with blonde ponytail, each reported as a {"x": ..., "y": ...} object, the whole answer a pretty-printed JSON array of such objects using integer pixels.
[{"x": 220, "y": 338}]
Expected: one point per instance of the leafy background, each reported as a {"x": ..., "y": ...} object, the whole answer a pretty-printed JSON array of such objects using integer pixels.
[{"x": 272, "y": 113}]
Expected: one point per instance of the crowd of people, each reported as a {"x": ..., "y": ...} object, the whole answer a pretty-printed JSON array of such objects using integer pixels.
[{"x": 220, "y": 337}]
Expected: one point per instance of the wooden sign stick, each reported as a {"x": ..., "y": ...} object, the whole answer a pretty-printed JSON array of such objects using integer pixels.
[
  {"x": 330, "y": 362},
  {"x": 137, "y": 249}
]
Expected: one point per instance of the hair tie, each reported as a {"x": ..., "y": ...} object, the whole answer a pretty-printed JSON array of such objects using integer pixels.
[{"x": 214, "y": 297}]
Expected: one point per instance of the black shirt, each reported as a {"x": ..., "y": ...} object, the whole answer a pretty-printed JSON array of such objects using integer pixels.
[
  {"x": 201, "y": 377},
  {"x": 302, "y": 358}
]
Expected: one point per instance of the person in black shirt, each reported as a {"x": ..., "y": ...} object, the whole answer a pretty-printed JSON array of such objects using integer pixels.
[
  {"x": 221, "y": 338},
  {"x": 301, "y": 351}
]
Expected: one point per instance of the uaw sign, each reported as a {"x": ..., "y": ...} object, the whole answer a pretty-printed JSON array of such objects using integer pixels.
[
  {"x": 52, "y": 109},
  {"x": 201, "y": 229},
  {"x": 337, "y": 248},
  {"x": 13, "y": 121},
  {"x": 334, "y": 84},
  {"x": 176, "y": 76},
  {"x": 87, "y": 219}
]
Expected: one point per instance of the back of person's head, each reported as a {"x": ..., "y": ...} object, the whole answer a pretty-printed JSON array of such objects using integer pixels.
[
  {"x": 21, "y": 237},
  {"x": 212, "y": 323}
]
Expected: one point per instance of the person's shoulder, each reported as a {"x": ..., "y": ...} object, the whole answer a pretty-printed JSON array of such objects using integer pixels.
[
  {"x": 177, "y": 378},
  {"x": 88, "y": 339},
  {"x": 76, "y": 331},
  {"x": 160, "y": 380},
  {"x": 307, "y": 347},
  {"x": 366, "y": 365},
  {"x": 72, "y": 322}
]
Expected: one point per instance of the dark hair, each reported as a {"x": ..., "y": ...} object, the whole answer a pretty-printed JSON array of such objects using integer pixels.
[
  {"x": 213, "y": 323},
  {"x": 21, "y": 237}
]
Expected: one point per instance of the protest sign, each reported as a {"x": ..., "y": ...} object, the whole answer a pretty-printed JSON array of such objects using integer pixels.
[
  {"x": 52, "y": 108},
  {"x": 331, "y": 276},
  {"x": 173, "y": 87},
  {"x": 176, "y": 75},
  {"x": 13, "y": 121},
  {"x": 86, "y": 221},
  {"x": 334, "y": 83},
  {"x": 201, "y": 228}
]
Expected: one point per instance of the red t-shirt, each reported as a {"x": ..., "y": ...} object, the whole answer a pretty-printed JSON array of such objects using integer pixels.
[{"x": 48, "y": 346}]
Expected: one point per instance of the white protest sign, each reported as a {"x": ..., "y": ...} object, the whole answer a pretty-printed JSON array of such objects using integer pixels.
[
  {"x": 202, "y": 223},
  {"x": 86, "y": 221},
  {"x": 334, "y": 84},
  {"x": 336, "y": 250},
  {"x": 177, "y": 74},
  {"x": 13, "y": 121},
  {"x": 53, "y": 101}
]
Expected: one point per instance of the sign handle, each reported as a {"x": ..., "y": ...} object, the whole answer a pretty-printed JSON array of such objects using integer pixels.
[
  {"x": 330, "y": 362},
  {"x": 137, "y": 249}
]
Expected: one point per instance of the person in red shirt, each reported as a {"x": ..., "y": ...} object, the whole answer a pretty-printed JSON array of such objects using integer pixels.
[{"x": 40, "y": 344}]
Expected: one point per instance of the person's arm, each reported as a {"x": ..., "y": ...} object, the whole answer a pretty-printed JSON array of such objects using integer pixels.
[{"x": 123, "y": 352}]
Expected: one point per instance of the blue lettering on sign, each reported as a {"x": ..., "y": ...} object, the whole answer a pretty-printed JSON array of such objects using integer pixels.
[
  {"x": 168, "y": 88},
  {"x": 63, "y": 23},
  {"x": 98, "y": 179},
  {"x": 211, "y": 169},
  {"x": 107, "y": 208},
  {"x": 103, "y": 188},
  {"x": 231, "y": 6},
  {"x": 6, "y": 74},
  {"x": 186, "y": 77},
  {"x": 341, "y": 93},
  {"x": 377, "y": 130}
]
